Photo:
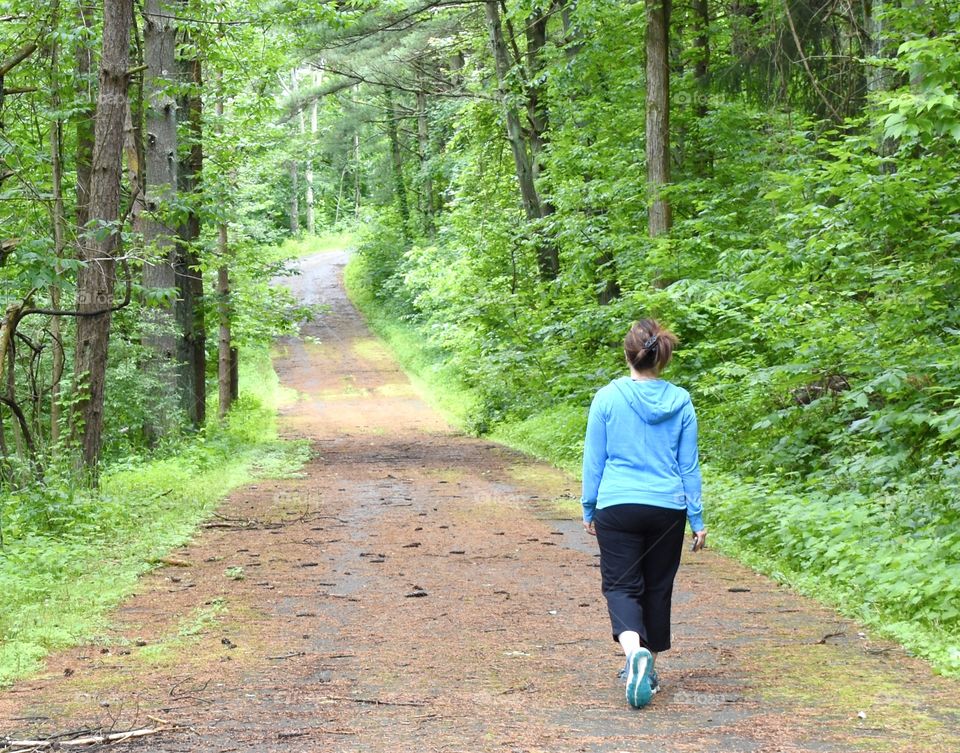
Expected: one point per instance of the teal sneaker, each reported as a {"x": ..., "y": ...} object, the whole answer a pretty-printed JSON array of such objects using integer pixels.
[
  {"x": 639, "y": 669},
  {"x": 654, "y": 677}
]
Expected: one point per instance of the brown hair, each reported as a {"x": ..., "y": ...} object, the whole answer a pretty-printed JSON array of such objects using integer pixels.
[{"x": 649, "y": 346}]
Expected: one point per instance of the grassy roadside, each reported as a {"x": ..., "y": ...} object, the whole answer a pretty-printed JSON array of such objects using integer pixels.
[
  {"x": 429, "y": 373},
  {"x": 56, "y": 589},
  {"x": 741, "y": 513},
  {"x": 307, "y": 245}
]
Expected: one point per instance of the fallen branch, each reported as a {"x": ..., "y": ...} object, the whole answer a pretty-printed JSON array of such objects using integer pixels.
[
  {"x": 25, "y": 746},
  {"x": 171, "y": 562},
  {"x": 377, "y": 701},
  {"x": 828, "y": 636},
  {"x": 253, "y": 524}
]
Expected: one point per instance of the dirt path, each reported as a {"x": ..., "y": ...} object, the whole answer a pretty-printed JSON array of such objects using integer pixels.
[{"x": 418, "y": 590}]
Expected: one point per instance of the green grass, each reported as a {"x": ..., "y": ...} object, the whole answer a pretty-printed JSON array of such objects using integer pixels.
[
  {"x": 55, "y": 589},
  {"x": 554, "y": 435},
  {"x": 307, "y": 245},
  {"x": 432, "y": 376}
]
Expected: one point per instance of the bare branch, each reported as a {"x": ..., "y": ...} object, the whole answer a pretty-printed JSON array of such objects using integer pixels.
[{"x": 18, "y": 57}]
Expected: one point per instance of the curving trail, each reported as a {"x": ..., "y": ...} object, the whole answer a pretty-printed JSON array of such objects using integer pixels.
[{"x": 419, "y": 590}]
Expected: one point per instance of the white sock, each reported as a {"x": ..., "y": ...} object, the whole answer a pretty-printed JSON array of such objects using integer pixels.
[{"x": 629, "y": 641}]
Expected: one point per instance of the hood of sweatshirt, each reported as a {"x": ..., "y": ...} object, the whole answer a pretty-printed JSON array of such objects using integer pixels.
[{"x": 654, "y": 400}]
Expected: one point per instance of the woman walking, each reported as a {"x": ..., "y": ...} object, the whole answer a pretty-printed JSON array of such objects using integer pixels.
[{"x": 641, "y": 480}]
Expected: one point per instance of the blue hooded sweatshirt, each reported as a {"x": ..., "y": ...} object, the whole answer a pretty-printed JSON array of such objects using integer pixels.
[{"x": 641, "y": 447}]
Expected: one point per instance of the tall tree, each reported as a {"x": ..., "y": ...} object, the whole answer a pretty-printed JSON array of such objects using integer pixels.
[
  {"x": 159, "y": 231},
  {"x": 226, "y": 354},
  {"x": 311, "y": 146},
  {"x": 86, "y": 112},
  {"x": 658, "y": 114},
  {"x": 58, "y": 220},
  {"x": 97, "y": 277},
  {"x": 191, "y": 340},
  {"x": 703, "y": 160},
  {"x": 524, "y": 162},
  {"x": 294, "y": 170},
  {"x": 396, "y": 153},
  {"x": 427, "y": 201}
]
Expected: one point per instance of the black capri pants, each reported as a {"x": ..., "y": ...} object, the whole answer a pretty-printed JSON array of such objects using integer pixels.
[{"x": 640, "y": 548}]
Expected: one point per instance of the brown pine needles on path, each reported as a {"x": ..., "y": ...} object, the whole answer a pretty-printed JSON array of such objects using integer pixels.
[{"x": 420, "y": 590}]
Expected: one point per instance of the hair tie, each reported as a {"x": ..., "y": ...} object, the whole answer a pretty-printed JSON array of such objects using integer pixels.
[{"x": 650, "y": 343}]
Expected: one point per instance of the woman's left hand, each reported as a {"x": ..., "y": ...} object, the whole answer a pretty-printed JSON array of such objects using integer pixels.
[{"x": 590, "y": 528}]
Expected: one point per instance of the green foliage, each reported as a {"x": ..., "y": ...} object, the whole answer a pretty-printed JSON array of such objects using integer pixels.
[{"x": 881, "y": 558}]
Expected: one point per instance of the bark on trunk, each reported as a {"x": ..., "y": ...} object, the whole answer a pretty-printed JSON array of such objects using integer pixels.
[
  {"x": 58, "y": 220},
  {"x": 311, "y": 217},
  {"x": 225, "y": 359},
  {"x": 224, "y": 347},
  {"x": 159, "y": 234},
  {"x": 84, "y": 119},
  {"x": 399, "y": 188},
  {"x": 96, "y": 279},
  {"x": 423, "y": 142},
  {"x": 658, "y": 114},
  {"x": 191, "y": 341},
  {"x": 294, "y": 196}
]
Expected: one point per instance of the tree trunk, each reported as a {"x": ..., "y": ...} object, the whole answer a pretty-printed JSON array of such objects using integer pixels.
[
  {"x": 234, "y": 374},
  {"x": 58, "y": 220},
  {"x": 159, "y": 235},
  {"x": 399, "y": 188},
  {"x": 356, "y": 176},
  {"x": 224, "y": 347},
  {"x": 225, "y": 359},
  {"x": 703, "y": 159},
  {"x": 658, "y": 114},
  {"x": 191, "y": 327},
  {"x": 97, "y": 277},
  {"x": 343, "y": 174},
  {"x": 537, "y": 114},
  {"x": 84, "y": 119},
  {"x": 294, "y": 196},
  {"x": 547, "y": 258},
  {"x": 314, "y": 126},
  {"x": 423, "y": 143},
  {"x": 701, "y": 44}
]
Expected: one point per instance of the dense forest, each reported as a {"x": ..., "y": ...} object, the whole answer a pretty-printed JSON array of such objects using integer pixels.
[{"x": 776, "y": 181}]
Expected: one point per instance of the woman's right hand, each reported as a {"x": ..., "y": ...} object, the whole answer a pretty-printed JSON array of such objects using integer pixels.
[{"x": 699, "y": 540}]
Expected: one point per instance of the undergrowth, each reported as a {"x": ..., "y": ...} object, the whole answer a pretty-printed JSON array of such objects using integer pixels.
[{"x": 72, "y": 553}]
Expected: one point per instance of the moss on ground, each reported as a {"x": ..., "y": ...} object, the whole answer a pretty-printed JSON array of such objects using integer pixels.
[{"x": 838, "y": 683}]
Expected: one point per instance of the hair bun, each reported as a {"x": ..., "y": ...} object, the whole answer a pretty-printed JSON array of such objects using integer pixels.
[{"x": 648, "y": 345}]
